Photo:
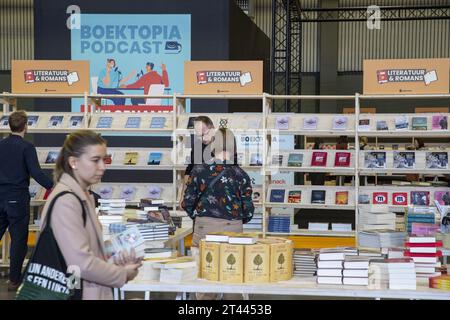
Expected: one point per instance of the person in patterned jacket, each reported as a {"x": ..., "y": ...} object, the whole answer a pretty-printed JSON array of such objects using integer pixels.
[{"x": 219, "y": 193}]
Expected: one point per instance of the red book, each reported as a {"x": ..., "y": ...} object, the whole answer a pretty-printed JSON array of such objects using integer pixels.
[
  {"x": 342, "y": 159},
  {"x": 430, "y": 245},
  {"x": 409, "y": 254},
  {"x": 319, "y": 159},
  {"x": 380, "y": 198},
  {"x": 47, "y": 193},
  {"x": 400, "y": 198}
]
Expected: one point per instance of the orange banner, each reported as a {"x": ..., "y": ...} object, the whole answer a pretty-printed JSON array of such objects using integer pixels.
[
  {"x": 50, "y": 76},
  {"x": 223, "y": 77},
  {"x": 406, "y": 76}
]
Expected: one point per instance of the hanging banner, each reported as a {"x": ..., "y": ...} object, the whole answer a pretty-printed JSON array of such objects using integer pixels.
[
  {"x": 133, "y": 54},
  {"x": 406, "y": 76},
  {"x": 50, "y": 76},
  {"x": 223, "y": 77}
]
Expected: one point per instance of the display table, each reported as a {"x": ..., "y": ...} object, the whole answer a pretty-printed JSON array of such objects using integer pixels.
[{"x": 294, "y": 287}]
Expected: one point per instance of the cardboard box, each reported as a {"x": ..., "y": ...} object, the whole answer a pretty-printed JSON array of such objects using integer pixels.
[
  {"x": 209, "y": 262},
  {"x": 231, "y": 263},
  {"x": 257, "y": 263}
]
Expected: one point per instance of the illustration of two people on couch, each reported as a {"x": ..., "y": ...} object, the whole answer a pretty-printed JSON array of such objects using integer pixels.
[{"x": 110, "y": 81}]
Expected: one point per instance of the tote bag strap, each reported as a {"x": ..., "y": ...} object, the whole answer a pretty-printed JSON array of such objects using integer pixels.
[{"x": 50, "y": 207}]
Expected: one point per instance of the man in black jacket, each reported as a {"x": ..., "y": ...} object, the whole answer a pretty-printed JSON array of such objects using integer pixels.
[{"x": 18, "y": 160}]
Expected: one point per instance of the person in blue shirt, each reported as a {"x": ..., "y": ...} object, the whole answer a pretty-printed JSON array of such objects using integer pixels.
[
  {"x": 18, "y": 161},
  {"x": 109, "y": 79}
]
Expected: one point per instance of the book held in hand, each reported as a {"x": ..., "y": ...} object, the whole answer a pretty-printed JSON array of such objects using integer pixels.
[
  {"x": 318, "y": 196},
  {"x": 55, "y": 121},
  {"x": 404, "y": 160},
  {"x": 295, "y": 160},
  {"x": 133, "y": 123},
  {"x": 282, "y": 123},
  {"x": 104, "y": 122},
  {"x": 154, "y": 158},
  {"x": 342, "y": 159},
  {"x": 131, "y": 158},
  {"x": 158, "y": 122},
  {"x": 319, "y": 159},
  {"x": 129, "y": 239},
  {"x": 439, "y": 122}
]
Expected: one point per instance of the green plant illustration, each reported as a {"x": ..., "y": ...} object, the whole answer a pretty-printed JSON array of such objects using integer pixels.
[
  {"x": 231, "y": 260},
  {"x": 281, "y": 260},
  {"x": 257, "y": 261}
]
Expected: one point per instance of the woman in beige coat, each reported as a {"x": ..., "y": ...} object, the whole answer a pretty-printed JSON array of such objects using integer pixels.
[{"x": 79, "y": 165}]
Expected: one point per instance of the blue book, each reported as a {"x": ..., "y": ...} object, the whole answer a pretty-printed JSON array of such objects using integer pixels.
[
  {"x": 277, "y": 195},
  {"x": 158, "y": 122},
  {"x": 133, "y": 122},
  {"x": 104, "y": 122},
  {"x": 55, "y": 121},
  {"x": 154, "y": 158},
  {"x": 32, "y": 120}
]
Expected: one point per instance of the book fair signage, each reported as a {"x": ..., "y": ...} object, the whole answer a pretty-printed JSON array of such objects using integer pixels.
[
  {"x": 223, "y": 77},
  {"x": 50, "y": 76},
  {"x": 406, "y": 76}
]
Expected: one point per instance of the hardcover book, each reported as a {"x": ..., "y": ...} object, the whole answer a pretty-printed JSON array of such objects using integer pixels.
[
  {"x": 295, "y": 196},
  {"x": 401, "y": 123},
  {"x": 282, "y": 123},
  {"x": 400, "y": 198},
  {"x": 419, "y": 123},
  {"x": 439, "y": 123},
  {"x": 277, "y": 160},
  {"x": 364, "y": 125},
  {"x": 158, "y": 122},
  {"x": 52, "y": 156},
  {"x": 342, "y": 159},
  {"x": 4, "y": 121},
  {"x": 404, "y": 160},
  {"x": 256, "y": 159},
  {"x": 318, "y": 196},
  {"x": 75, "y": 121},
  {"x": 380, "y": 198},
  {"x": 104, "y": 122},
  {"x": 295, "y": 160},
  {"x": 382, "y": 125},
  {"x": 443, "y": 197},
  {"x": 375, "y": 159},
  {"x": 310, "y": 123},
  {"x": 277, "y": 195},
  {"x": 55, "y": 121},
  {"x": 341, "y": 197},
  {"x": 436, "y": 160},
  {"x": 32, "y": 121},
  {"x": 154, "y": 192},
  {"x": 154, "y": 158},
  {"x": 133, "y": 123},
  {"x": 340, "y": 123},
  {"x": 131, "y": 158},
  {"x": 191, "y": 121},
  {"x": 420, "y": 198},
  {"x": 319, "y": 159},
  {"x": 128, "y": 193},
  {"x": 363, "y": 199}
]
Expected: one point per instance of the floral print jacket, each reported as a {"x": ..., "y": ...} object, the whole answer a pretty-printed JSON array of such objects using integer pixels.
[{"x": 230, "y": 198}]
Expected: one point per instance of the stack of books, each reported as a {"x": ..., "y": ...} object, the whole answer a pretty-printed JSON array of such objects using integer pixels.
[
  {"x": 112, "y": 206},
  {"x": 378, "y": 274},
  {"x": 425, "y": 254},
  {"x": 152, "y": 231},
  {"x": 356, "y": 271},
  {"x": 107, "y": 220},
  {"x": 232, "y": 237},
  {"x": 402, "y": 274},
  {"x": 440, "y": 282},
  {"x": 424, "y": 215},
  {"x": 376, "y": 218},
  {"x": 304, "y": 263},
  {"x": 177, "y": 270},
  {"x": 256, "y": 223},
  {"x": 330, "y": 265},
  {"x": 381, "y": 239},
  {"x": 279, "y": 223},
  {"x": 158, "y": 253}
]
